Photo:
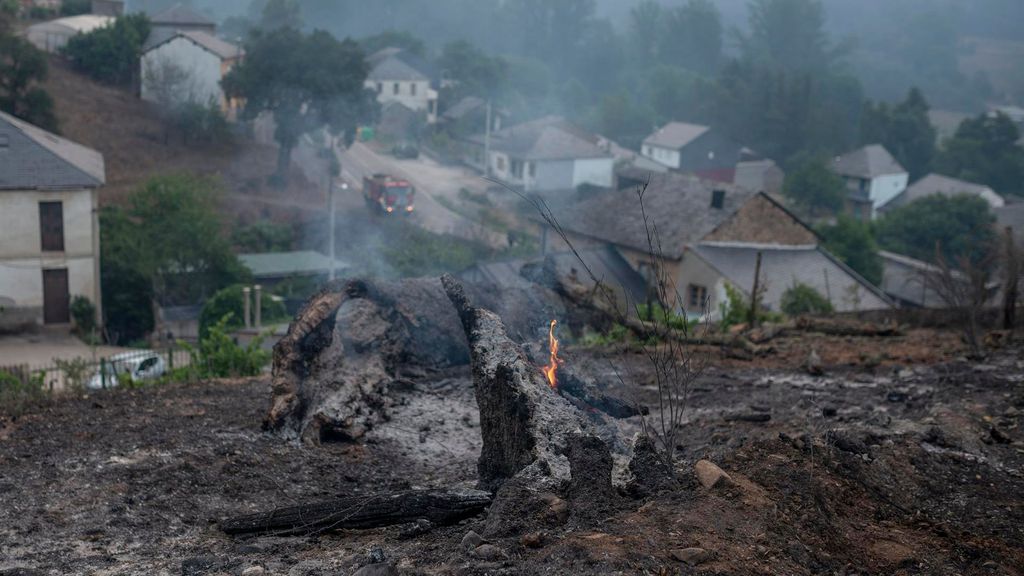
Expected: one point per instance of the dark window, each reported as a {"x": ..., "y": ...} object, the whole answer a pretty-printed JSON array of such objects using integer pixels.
[
  {"x": 380, "y": 87},
  {"x": 412, "y": 89},
  {"x": 697, "y": 297},
  {"x": 718, "y": 199},
  {"x": 501, "y": 163},
  {"x": 531, "y": 168},
  {"x": 517, "y": 168},
  {"x": 395, "y": 89},
  {"x": 5, "y": 141},
  {"x": 51, "y": 226}
]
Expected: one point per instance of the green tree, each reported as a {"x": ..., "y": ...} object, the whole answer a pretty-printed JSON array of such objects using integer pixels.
[
  {"x": 472, "y": 72},
  {"x": 985, "y": 150},
  {"x": 852, "y": 242},
  {"x": 814, "y": 188},
  {"x": 263, "y": 236},
  {"x": 111, "y": 54},
  {"x": 230, "y": 302},
  {"x": 22, "y": 68},
  {"x": 904, "y": 130},
  {"x": 622, "y": 119},
  {"x": 692, "y": 37},
  {"x": 308, "y": 82},
  {"x": 281, "y": 14},
  {"x": 961, "y": 225},
  {"x": 646, "y": 24},
  {"x": 166, "y": 244},
  {"x": 788, "y": 34}
]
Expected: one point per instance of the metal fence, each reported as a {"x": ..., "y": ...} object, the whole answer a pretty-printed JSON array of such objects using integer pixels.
[{"x": 135, "y": 366}]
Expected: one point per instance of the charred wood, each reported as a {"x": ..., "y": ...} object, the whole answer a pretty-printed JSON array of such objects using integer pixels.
[{"x": 359, "y": 512}]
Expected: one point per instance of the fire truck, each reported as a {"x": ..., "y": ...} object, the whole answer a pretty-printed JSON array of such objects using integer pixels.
[{"x": 387, "y": 194}]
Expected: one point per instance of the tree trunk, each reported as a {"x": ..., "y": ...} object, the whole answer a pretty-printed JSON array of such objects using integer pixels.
[{"x": 359, "y": 512}]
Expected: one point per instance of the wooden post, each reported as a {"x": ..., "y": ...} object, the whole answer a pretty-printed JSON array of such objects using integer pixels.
[
  {"x": 1012, "y": 278},
  {"x": 755, "y": 294}
]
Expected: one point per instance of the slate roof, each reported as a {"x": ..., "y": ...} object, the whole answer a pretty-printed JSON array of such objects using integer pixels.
[
  {"x": 181, "y": 15},
  {"x": 393, "y": 69},
  {"x": 547, "y": 138},
  {"x": 279, "y": 264},
  {"x": 904, "y": 278},
  {"x": 937, "y": 184},
  {"x": 36, "y": 159},
  {"x": 80, "y": 23},
  {"x": 463, "y": 107},
  {"x": 220, "y": 48},
  {"x": 679, "y": 205},
  {"x": 784, "y": 266},
  {"x": 868, "y": 162},
  {"x": 676, "y": 135}
]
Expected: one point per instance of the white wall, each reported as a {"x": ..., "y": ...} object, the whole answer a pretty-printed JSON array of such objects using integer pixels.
[
  {"x": 204, "y": 73},
  {"x": 885, "y": 188},
  {"x": 596, "y": 171},
  {"x": 22, "y": 259},
  {"x": 424, "y": 98},
  {"x": 665, "y": 156}
]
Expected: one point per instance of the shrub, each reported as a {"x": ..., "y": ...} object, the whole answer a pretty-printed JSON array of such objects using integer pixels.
[
  {"x": 83, "y": 312},
  {"x": 77, "y": 372},
  {"x": 219, "y": 356},
  {"x": 736, "y": 310},
  {"x": 228, "y": 302},
  {"x": 617, "y": 333},
  {"x": 656, "y": 313},
  {"x": 202, "y": 124},
  {"x": 19, "y": 393},
  {"x": 801, "y": 299}
]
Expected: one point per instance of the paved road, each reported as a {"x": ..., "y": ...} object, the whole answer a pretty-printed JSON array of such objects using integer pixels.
[{"x": 432, "y": 181}]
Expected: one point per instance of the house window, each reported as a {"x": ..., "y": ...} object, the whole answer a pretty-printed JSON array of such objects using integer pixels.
[
  {"x": 531, "y": 169},
  {"x": 380, "y": 87},
  {"x": 517, "y": 168},
  {"x": 500, "y": 161},
  {"x": 51, "y": 226},
  {"x": 5, "y": 141},
  {"x": 696, "y": 296},
  {"x": 395, "y": 88},
  {"x": 718, "y": 199},
  {"x": 412, "y": 89}
]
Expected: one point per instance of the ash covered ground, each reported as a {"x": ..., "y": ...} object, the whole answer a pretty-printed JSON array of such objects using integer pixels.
[{"x": 902, "y": 459}]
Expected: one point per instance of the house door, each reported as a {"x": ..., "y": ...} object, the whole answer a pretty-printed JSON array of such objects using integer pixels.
[{"x": 56, "y": 300}]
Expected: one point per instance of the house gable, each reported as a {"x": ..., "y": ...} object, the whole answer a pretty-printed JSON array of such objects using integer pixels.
[{"x": 761, "y": 220}]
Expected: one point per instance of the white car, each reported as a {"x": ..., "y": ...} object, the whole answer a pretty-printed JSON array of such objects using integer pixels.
[{"x": 137, "y": 365}]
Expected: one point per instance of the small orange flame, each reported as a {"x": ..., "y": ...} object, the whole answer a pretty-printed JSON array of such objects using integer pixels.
[{"x": 550, "y": 371}]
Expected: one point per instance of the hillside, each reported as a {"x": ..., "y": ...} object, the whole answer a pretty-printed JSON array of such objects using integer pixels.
[{"x": 131, "y": 137}]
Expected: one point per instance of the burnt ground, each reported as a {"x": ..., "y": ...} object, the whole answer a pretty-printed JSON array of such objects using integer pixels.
[{"x": 901, "y": 459}]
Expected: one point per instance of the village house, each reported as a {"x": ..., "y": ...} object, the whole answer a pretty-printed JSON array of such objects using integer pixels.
[
  {"x": 53, "y": 35},
  {"x": 187, "y": 67},
  {"x": 873, "y": 178},
  {"x": 49, "y": 227},
  {"x": 693, "y": 148},
  {"x": 469, "y": 115},
  {"x": 544, "y": 155},
  {"x": 710, "y": 235},
  {"x": 395, "y": 80},
  {"x": 939, "y": 185}
]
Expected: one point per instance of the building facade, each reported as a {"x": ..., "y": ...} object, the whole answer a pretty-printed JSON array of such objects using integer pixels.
[
  {"x": 188, "y": 67},
  {"x": 49, "y": 227}
]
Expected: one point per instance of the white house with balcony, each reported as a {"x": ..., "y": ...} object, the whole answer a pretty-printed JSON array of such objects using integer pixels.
[
  {"x": 49, "y": 227},
  {"x": 395, "y": 80},
  {"x": 188, "y": 67},
  {"x": 873, "y": 178}
]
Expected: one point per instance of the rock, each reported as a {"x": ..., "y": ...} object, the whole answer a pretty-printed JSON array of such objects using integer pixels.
[
  {"x": 471, "y": 540},
  {"x": 814, "y": 364},
  {"x": 532, "y": 540},
  {"x": 692, "y": 556},
  {"x": 489, "y": 553},
  {"x": 376, "y": 555},
  {"x": 557, "y": 510},
  {"x": 651, "y": 474},
  {"x": 999, "y": 436},
  {"x": 377, "y": 570},
  {"x": 417, "y": 528},
  {"x": 199, "y": 565},
  {"x": 711, "y": 476},
  {"x": 254, "y": 571}
]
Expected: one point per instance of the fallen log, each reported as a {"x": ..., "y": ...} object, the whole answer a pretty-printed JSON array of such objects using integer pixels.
[
  {"x": 360, "y": 512},
  {"x": 840, "y": 327}
]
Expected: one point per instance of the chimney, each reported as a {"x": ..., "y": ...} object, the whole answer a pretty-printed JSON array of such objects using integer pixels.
[{"x": 717, "y": 199}]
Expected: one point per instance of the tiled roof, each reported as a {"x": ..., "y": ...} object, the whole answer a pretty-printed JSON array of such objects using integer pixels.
[
  {"x": 393, "y": 68},
  {"x": 676, "y": 135},
  {"x": 180, "y": 14},
  {"x": 868, "y": 162},
  {"x": 547, "y": 138},
  {"x": 220, "y": 48},
  {"x": 32, "y": 158},
  {"x": 937, "y": 184}
]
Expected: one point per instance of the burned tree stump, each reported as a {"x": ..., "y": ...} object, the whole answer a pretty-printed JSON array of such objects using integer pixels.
[
  {"x": 360, "y": 512},
  {"x": 332, "y": 369},
  {"x": 524, "y": 424}
]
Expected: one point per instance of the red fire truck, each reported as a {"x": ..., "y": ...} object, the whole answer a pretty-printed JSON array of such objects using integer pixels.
[{"x": 388, "y": 194}]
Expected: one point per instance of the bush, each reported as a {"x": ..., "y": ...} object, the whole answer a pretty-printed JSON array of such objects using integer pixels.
[
  {"x": 617, "y": 333},
  {"x": 736, "y": 310},
  {"x": 219, "y": 356},
  {"x": 19, "y": 393},
  {"x": 801, "y": 299},
  {"x": 83, "y": 312},
  {"x": 202, "y": 124},
  {"x": 110, "y": 54},
  {"x": 662, "y": 317},
  {"x": 228, "y": 302}
]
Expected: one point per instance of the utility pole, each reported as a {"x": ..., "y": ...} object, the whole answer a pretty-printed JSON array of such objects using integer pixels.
[
  {"x": 487, "y": 141},
  {"x": 755, "y": 293}
]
